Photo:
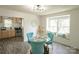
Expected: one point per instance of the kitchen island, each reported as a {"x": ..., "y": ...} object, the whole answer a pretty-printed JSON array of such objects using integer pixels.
[{"x": 7, "y": 33}]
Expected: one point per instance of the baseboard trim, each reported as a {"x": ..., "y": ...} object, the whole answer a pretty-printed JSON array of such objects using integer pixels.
[{"x": 67, "y": 46}]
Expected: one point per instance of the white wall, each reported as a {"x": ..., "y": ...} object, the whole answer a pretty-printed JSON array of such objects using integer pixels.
[
  {"x": 42, "y": 20},
  {"x": 27, "y": 21},
  {"x": 74, "y": 28}
]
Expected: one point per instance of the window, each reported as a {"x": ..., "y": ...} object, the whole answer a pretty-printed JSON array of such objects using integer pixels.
[
  {"x": 59, "y": 24},
  {"x": 8, "y": 23}
]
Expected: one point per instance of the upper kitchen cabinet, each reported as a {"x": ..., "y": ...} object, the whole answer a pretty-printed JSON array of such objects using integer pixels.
[
  {"x": 14, "y": 20},
  {"x": 1, "y": 22},
  {"x": 1, "y": 19},
  {"x": 10, "y": 22},
  {"x": 17, "y": 21}
]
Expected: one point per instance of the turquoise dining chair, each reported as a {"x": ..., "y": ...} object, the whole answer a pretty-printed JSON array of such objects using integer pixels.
[
  {"x": 37, "y": 47},
  {"x": 30, "y": 36},
  {"x": 50, "y": 38}
]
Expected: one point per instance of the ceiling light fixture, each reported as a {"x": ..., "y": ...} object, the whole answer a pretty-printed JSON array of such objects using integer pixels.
[{"x": 39, "y": 8}]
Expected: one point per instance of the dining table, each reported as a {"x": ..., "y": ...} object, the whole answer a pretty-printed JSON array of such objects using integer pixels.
[
  {"x": 41, "y": 37},
  {"x": 45, "y": 38}
]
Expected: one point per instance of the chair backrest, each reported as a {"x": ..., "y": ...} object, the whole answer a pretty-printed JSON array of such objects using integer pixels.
[
  {"x": 51, "y": 36},
  {"x": 37, "y": 47},
  {"x": 30, "y": 36}
]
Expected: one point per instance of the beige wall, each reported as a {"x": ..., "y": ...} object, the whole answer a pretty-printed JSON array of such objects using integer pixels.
[
  {"x": 28, "y": 21},
  {"x": 74, "y": 27}
]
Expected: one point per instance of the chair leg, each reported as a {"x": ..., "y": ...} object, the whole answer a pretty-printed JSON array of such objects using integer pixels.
[
  {"x": 30, "y": 51},
  {"x": 46, "y": 49}
]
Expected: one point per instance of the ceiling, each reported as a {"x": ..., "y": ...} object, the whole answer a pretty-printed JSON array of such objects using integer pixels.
[{"x": 49, "y": 8}]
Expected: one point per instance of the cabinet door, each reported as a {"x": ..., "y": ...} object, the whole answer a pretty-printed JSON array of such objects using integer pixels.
[
  {"x": 0, "y": 34},
  {"x": 5, "y": 34},
  {"x": 1, "y": 19},
  {"x": 11, "y": 33},
  {"x": 18, "y": 20},
  {"x": 14, "y": 20}
]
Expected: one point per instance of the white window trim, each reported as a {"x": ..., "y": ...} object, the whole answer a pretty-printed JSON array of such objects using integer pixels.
[{"x": 57, "y": 21}]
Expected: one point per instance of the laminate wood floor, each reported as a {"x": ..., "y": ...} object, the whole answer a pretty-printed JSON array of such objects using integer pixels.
[{"x": 57, "y": 48}]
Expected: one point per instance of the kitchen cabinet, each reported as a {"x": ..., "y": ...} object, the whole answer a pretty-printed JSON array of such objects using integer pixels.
[
  {"x": 8, "y": 25},
  {"x": 1, "y": 19},
  {"x": 7, "y": 33},
  {"x": 14, "y": 20},
  {"x": 0, "y": 34},
  {"x": 11, "y": 33},
  {"x": 17, "y": 20}
]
